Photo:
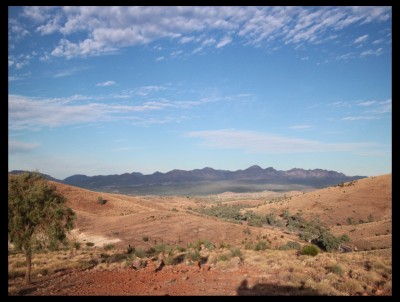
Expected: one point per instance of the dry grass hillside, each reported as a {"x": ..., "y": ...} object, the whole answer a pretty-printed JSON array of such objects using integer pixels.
[
  {"x": 125, "y": 220},
  {"x": 361, "y": 209},
  {"x": 179, "y": 250}
]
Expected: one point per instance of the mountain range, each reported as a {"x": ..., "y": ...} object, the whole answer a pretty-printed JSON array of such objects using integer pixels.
[{"x": 254, "y": 175}]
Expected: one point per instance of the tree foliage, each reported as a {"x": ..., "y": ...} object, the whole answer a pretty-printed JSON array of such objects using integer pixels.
[{"x": 37, "y": 215}]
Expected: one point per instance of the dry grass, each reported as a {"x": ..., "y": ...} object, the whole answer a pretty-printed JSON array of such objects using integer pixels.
[{"x": 128, "y": 219}]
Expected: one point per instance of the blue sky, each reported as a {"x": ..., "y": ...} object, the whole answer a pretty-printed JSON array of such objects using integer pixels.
[{"x": 111, "y": 90}]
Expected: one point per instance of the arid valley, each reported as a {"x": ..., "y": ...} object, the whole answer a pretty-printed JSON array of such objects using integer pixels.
[{"x": 190, "y": 245}]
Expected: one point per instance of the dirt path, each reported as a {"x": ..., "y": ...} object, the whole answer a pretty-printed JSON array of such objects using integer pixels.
[{"x": 174, "y": 280}]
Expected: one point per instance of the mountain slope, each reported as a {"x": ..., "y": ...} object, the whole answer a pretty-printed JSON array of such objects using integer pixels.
[{"x": 131, "y": 183}]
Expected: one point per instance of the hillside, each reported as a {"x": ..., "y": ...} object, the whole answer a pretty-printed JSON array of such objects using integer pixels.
[
  {"x": 361, "y": 208},
  {"x": 233, "y": 258}
]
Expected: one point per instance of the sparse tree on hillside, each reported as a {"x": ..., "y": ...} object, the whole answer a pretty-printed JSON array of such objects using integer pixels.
[{"x": 36, "y": 214}]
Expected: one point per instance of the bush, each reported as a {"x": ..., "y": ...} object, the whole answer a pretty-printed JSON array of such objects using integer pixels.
[
  {"x": 328, "y": 242},
  {"x": 223, "y": 257},
  {"x": 344, "y": 238},
  {"x": 293, "y": 245},
  {"x": 100, "y": 200},
  {"x": 194, "y": 256},
  {"x": 336, "y": 269},
  {"x": 235, "y": 252},
  {"x": 311, "y": 250},
  {"x": 271, "y": 219},
  {"x": 290, "y": 245},
  {"x": 108, "y": 247},
  {"x": 145, "y": 238},
  {"x": 89, "y": 244},
  {"x": 139, "y": 252},
  {"x": 130, "y": 250},
  {"x": 260, "y": 246},
  {"x": 247, "y": 231}
]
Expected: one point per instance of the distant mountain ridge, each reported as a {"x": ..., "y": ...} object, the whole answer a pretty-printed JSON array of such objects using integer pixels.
[{"x": 253, "y": 174}]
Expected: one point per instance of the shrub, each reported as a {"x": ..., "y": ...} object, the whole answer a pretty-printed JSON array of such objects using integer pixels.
[
  {"x": 100, "y": 200},
  {"x": 130, "y": 250},
  {"x": 108, "y": 247},
  {"x": 370, "y": 218},
  {"x": 311, "y": 250},
  {"x": 76, "y": 245},
  {"x": 235, "y": 252},
  {"x": 139, "y": 252},
  {"x": 89, "y": 244},
  {"x": 247, "y": 231},
  {"x": 336, "y": 269},
  {"x": 145, "y": 238},
  {"x": 194, "y": 256},
  {"x": 328, "y": 242},
  {"x": 223, "y": 257},
  {"x": 344, "y": 238},
  {"x": 271, "y": 219},
  {"x": 350, "y": 220},
  {"x": 293, "y": 245},
  {"x": 290, "y": 245},
  {"x": 260, "y": 246}
]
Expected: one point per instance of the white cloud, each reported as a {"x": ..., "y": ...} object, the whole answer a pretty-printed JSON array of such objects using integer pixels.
[
  {"x": 361, "y": 39},
  {"x": 105, "y": 30},
  {"x": 379, "y": 41},
  {"x": 301, "y": 127},
  {"x": 258, "y": 142},
  {"x": 366, "y": 103},
  {"x": 19, "y": 147},
  {"x": 106, "y": 83},
  {"x": 224, "y": 41},
  {"x": 185, "y": 40},
  {"x": 371, "y": 52},
  {"x": 362, "y": 117},
  {"x": 70, "y": 71},
  {"x": 16, "y": 30},
  {"x": 158, "y": 59},
  {"x": 383, "y": 107},
  {"x": 35, "y": 113},
  {"x": 339, "y": 104}
]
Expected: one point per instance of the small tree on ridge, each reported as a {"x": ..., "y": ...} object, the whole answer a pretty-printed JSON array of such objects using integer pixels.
[{"x": 36, "y": 213}]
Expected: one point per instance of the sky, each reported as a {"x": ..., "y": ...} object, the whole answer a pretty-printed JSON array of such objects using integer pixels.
[{"x": 112, "y": 90}]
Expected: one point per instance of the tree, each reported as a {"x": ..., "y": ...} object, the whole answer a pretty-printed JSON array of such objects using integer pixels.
[{"x": 37, "y": 215}]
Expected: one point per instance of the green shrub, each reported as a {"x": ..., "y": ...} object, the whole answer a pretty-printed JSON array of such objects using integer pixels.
[
  {"x": 344, "y": 238},
  {"x": 260, "y": 246},
  {"x": 145, "y": 238},
  {"x": 223, "y": 257},
  {"x": 290, "y": 245},
  {"x": 247, "y": 231},
  {"x": 235, "y": 252},
  {"x": 108, "y": 247},
  {"x": 76, "y": 245},
  {"x": 350, "y": 220},
  {"x": 194, "y": 256},
  {"x": 336, "y": 269},
  {"x": 311, "y": 250},
  {"x": 328, "y": 242},
  {"x": 139, "y": 252},
  {"x": 130, "y": 249},
  {"x": 100, "y": 200},
  {"x": 271, "y": 219}
]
